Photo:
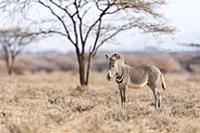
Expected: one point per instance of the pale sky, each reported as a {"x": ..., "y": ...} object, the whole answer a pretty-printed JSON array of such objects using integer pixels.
[{"x": 183, "y": 14}]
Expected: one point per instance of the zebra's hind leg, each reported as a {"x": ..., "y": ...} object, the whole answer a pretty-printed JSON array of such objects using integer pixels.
[
  {"x": 159, "y": 99},
  {"x": 154, "y": 90}
]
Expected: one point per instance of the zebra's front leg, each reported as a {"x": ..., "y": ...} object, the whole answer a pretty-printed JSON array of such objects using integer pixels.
[
  {"x": 124, "y": 94},
  {"x": 121, "y": 95}
]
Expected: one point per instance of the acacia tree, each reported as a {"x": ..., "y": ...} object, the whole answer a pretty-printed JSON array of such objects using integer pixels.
[
  {"x": 12, "y": 42},
  {"x": 196, "y": 45},
  {"x": 88, "y": 24}
]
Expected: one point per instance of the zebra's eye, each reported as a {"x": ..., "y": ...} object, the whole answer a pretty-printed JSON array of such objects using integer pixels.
[{"x": 113, "y": 65}]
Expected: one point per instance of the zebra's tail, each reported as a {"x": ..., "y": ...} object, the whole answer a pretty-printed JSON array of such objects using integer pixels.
[{"x": 163, "y": 82}]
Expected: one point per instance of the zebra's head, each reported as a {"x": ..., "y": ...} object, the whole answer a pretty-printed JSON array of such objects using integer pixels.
[{"x": 113, "y": 65}]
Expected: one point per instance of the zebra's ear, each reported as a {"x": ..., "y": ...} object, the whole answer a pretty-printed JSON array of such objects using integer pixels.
[
  {"x": 107, "y": 56},
  {"x": 117, "y": 56}
]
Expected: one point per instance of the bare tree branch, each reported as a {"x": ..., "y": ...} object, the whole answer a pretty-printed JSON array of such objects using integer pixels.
[
  {"x": 60, "y": 19},
  {"x": 103, "y": 12}
]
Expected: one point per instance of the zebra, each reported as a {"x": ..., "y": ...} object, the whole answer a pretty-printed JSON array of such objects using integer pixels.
[{"x": 134, "y": 77}]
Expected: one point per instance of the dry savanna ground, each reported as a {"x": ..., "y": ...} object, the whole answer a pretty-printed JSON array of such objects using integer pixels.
[{"x": 53, "y": 103}]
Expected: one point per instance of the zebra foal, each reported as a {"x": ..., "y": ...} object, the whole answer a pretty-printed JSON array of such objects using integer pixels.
[{"x": 134, "y": 77}]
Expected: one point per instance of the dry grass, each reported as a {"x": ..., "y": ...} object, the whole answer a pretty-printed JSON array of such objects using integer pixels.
[{"x": 53, "y": 103}]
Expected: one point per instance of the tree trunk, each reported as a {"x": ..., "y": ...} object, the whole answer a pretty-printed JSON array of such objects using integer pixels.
[
  {"x": 9, "y": 66},
  {"x": 81, "y": 65},
  {"x": 10, "y": 70},
  {"x": 84, "y": 73},
  {"x": 88, "y": 68},
  {"x": 8, "y": 63},
  {"x": 12, "y": 63}
]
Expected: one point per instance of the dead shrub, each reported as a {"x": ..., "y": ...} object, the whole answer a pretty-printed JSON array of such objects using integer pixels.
[
  {"x": 62, "y": 61},
  {"x": 42, "y": 65},
  {"x": 48, "y": 63},
  {"x": 135, "y": 60},
  {"x": 193, "y": 64},
  {"x": 190, "y": 61},
  {"x": 165, "y": 62},
  {"x": 194, "y": 68},
  {"x": 2, "y": 67},
  {"x": 19, "y": 68},
  {"x": 100, "y": 65}
]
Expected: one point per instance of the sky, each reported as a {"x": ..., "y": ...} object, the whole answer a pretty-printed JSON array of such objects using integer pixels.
[{"x": 183, "y": 14}]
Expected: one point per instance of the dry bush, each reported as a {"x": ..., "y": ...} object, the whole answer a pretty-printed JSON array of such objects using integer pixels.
[
  {"x": 63, "y": 62},
  {"x": 135, "y": 60},
  {"x": 100, "y": 64},
  {"x": 193, "y": 64},
  {"x": 48, "y": 63},
  {"x": 165, "y": 62},
  {"x": 36, "y": 64},
  {"x": 190, "y": 61},
  {"x": 2, "y": 67},
  {"x": 66, "y": 65},
  {"x": 195, "y": 68},
  {"x": 19, "y": 68},
  {"x": 42, "y": 65}
]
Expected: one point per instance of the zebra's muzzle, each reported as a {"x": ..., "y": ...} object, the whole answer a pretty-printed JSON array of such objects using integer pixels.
[{"x": 109, "y": 75}]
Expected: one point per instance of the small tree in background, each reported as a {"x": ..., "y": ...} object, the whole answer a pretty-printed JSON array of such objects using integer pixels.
[
  {"x": 89, "y": 24},
  {"x": 12, "y": 43},
  {"x": 195, "y": 45}
]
